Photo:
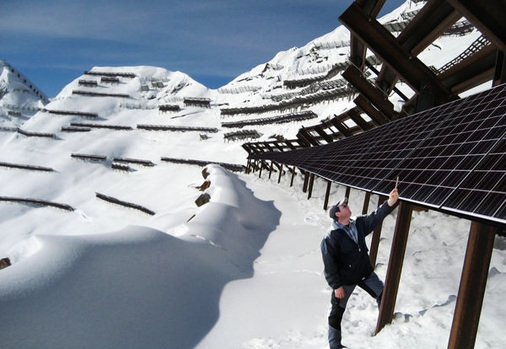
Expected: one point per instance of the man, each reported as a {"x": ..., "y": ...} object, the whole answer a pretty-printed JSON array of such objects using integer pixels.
[{"x": 346, "y": 259}]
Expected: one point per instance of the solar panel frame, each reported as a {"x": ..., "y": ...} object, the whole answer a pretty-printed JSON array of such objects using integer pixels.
[{"x": 451, "y": 157}]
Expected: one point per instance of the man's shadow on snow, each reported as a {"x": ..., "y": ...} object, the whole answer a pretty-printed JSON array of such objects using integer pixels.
[{"x": 139, "y": 287}]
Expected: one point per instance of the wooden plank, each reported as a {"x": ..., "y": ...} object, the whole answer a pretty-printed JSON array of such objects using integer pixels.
[{"x": 124, "y": 203}]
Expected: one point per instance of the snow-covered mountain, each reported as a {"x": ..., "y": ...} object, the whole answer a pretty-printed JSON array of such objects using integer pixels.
[
  {"x": 106, "y": 242},
  {"x": 294, "y": 81},
  {"x": 19, "y": 97}
]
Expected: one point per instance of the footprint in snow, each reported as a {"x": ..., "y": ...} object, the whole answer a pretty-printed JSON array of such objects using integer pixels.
[{"x": 312, "y": 219}]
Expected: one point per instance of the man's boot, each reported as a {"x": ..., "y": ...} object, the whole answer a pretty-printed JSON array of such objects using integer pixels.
[
  {"x": 335, "y": 338},
  {"x": 334, "y": 334}
]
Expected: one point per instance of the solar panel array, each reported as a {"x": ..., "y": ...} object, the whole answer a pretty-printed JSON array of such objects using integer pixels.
[{"x": 450, "y": 158}]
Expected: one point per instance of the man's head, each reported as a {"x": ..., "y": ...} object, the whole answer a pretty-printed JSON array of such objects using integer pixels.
[{"x": 340, "y": 211}]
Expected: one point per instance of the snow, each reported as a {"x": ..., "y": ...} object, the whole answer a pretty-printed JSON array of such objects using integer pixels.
[
  {"x": 245, "y": 272},
  {"x": 242, "y": 271}
]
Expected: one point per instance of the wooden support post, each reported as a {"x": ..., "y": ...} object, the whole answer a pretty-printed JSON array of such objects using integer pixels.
[
  {"x": 270, "y": 170},
  {"x": 472, "y": 286},
  {"x": 367, "y": 197},
  {"x": 260, "y": 172},
  {"x": 500, "y": 69},
  {"x": 376, "y": 236},
  {"x": 248, "y": 165},
  {"x": 280, "y": 173},
  {"x": 327, "y": 195},
  {"x": 306, "y": 181},
  {"x": 395, "y": 262},
  {"x": 293, "y": 176},
  {"x": 310, "y": 189}
]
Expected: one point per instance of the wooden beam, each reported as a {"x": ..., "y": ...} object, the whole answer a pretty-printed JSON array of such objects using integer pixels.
[
  {"x": 327, "y": 195},
  {"x": 500, "y": 69},
  {"x": 365, "y": 206},
  {"x": 306, "y": 182},
  {"x": 354, "y": 115},
  {"x": 377, "y": 97},
  {"x": 357, "y": 47},
  {"x": 395, "y": 262},
  {"x": 384, "y": 45},
  {"x": 280, "y": 146},
  {"x": 248, "y": 166},
  {"x": 341, "y": 127},
  {"x": 472, "y": 286},
  {"x": 430, "y": 22},
  {"x": 322, "y": 133},
  {"x": 310, "y": 188},
  {"x": 293, "y": 176},
  {"x": 290, "y": 144},
  {"x": 377, "y": 116},
  {"x": 247, "y": 147},
  {"x": 388, "y": 85},
  {"x": 472, "y": 71},
  {"x": 487, "y": 16},
  {"x": 376, "y": 236},
  {"x": 306, "y": 137}
]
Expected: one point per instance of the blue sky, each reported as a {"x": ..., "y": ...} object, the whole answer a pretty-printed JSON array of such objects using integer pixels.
[{"x": 53, "y": 41}]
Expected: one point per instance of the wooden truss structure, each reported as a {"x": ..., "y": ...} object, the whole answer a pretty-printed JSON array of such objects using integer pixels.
[{"x": 482, "y": 62}]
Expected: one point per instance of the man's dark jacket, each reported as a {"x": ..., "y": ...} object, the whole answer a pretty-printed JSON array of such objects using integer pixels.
[{"x": 346, "y": 262}]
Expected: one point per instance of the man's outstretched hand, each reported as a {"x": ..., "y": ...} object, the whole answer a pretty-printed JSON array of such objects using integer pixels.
[{"x": 393, "y": 197}]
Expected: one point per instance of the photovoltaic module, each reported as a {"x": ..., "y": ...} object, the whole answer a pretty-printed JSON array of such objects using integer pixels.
[{"x": 450, "y": 158}]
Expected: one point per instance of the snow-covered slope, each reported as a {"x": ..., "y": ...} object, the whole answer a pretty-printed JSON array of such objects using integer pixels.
[
  {"x": 92, "y": 273},
  {"x": 19, "y": 97}
]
